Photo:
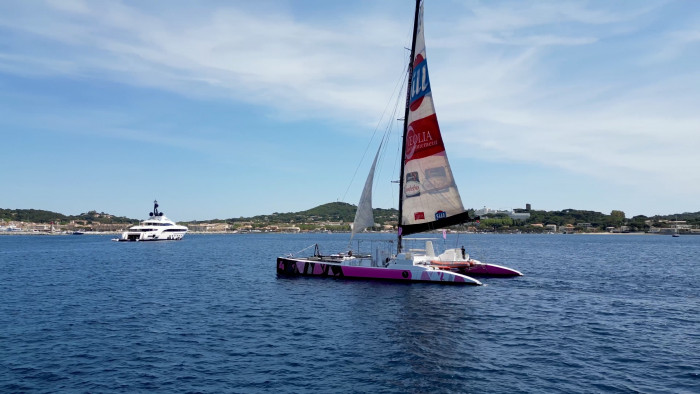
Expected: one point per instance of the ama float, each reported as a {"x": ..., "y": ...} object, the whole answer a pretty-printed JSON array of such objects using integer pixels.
[{"x": 429, "y": 200}]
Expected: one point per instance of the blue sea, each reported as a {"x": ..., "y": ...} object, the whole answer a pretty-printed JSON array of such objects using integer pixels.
[{"x": 593, "y": 313}]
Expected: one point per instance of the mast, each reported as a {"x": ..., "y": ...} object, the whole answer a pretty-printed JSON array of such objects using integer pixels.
[{"x": 405, "y": 121}]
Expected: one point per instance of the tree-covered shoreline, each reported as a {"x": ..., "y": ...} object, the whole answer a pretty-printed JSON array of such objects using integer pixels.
[{"x": 337, "y": 216}]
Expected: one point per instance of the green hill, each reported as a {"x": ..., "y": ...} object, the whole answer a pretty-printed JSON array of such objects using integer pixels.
[
  {"x": 41, "y": 216},
  {"x": 31, "y": 215},
  {"x": 344, "y": 212},
  {"x": 331, "y": 212}
]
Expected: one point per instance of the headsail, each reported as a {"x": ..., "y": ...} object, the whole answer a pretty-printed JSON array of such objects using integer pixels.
[
  {"x": 363, "y": 216},
  {"x": 430, "y": 198}
]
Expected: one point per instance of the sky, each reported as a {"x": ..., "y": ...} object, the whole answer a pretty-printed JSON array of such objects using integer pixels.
[{"x": 226, "y": 109}]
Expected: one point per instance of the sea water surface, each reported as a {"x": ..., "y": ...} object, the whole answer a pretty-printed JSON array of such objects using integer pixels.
[{"x": 618, "y": 313}]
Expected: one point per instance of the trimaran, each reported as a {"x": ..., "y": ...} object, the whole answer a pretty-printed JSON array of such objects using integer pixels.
[{"x": 429, "y": 200}]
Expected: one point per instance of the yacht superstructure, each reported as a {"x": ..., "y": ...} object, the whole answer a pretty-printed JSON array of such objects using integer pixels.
[{"x": 157, "y": 228}]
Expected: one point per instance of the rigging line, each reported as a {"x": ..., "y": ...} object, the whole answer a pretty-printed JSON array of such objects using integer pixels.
[
  {"x": 399, "y": 101},
  {"x": 390, "y": 130},
  {"x": 374, "y": 132},
  {"x": 383, "y": 150},
  {"x": 396, "y": 171},
  {"x": 399, "y": 96},
  {"x": 308, "y": 247},
  {"x": 390, "y": 125}
]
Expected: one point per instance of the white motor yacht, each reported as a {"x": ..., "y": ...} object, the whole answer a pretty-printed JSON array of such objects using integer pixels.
[{"x": 157, "y": 228}]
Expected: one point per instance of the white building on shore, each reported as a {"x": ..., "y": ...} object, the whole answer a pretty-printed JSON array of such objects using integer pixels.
[{"x": 511, "y": 213}]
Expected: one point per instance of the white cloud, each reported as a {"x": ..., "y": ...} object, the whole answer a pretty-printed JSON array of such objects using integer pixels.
[
  {"x": 271, "y": 59},
  {"x": 541, "y": 82},
  {"x": 518, "y": 95}
]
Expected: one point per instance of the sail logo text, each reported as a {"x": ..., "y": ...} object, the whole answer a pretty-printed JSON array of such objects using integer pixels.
[
  {"x": 412, "y": 186},
  {"x": 418, "y": 141},
  {"x": 440, "y": 215},
  {"x": 412, "y": 190},
  {"x": 420, "y": 83},
  {"x": 419, "y": 216}
]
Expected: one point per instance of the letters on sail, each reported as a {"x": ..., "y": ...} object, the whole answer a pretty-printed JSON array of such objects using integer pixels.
[{"x": 430, "y": 196}]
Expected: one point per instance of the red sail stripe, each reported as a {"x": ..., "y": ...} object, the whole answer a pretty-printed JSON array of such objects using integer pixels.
[{"x": 423, "y": 139}]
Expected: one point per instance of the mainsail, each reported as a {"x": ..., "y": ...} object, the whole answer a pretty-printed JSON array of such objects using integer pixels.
[
  {"x": 363, "y": 216},
  {"x": 430, "y": 198}
]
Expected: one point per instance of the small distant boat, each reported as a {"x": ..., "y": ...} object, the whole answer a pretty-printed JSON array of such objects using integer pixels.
[
  {"x": 157, "y": 228},
  {"x": 428, "y": 200},
  {"x": 78, "y": 232}
]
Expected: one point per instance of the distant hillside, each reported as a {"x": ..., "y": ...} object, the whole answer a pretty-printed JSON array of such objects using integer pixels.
[
  {"x": 331, "y": 212},
  {"x": 570, "y": 216},
  {"x": 41, "y": 216},
  {"x": 341, "y": 211},
  {"x": 687, "y": 216},
  {"x": 31, "y": 215}
]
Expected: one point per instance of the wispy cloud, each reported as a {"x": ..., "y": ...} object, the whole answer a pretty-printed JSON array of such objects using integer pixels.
[
  {"x": 271, "y": 59},
  {"x": 558, "y": 83},
  {"x": 520, "y": 94}
]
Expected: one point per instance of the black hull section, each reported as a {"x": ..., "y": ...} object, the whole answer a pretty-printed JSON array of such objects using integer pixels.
[{"x": 460, "y": 218}]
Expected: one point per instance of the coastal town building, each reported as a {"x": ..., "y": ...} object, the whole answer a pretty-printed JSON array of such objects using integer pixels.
[
  {"x": 513, "y": 213},
  {"x": 209, "y": 227}
]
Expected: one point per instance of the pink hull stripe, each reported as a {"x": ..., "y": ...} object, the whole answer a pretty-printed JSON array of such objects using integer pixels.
[
  {"x": 492, "y": 270},
  {"x": 311, "y": 268},
  {"x": 378, "y": 273}
]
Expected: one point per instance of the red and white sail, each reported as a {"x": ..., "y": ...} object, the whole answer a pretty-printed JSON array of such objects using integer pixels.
[{"x": 430, "y": 198}]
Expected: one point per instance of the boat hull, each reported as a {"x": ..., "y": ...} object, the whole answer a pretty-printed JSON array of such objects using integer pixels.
[
  {"x": 144, "y": 237},
  {"x": 406, "y": 273},
  {"x": 157, "y": 228},
  {"x": 478, "y": 269},
  {"x": 145, "y": 240}
]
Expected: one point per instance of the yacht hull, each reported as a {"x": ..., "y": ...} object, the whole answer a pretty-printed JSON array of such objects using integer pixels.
[
  {"x": 287, "y": 266},
  {"x": 142, "y": 237},
  {"x": 145, "y": 240}
]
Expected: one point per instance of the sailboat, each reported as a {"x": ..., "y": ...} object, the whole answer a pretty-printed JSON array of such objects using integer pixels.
[
  {"x": 675, "y": 230},
  {"x": 429, "y": 200}
]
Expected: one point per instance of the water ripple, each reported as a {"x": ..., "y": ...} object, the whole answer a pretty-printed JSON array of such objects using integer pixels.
[{"x": 208, "y": 314}]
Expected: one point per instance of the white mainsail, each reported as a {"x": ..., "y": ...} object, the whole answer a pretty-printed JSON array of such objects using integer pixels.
[
  {"x": 363, "y": 216},
  {"x": 430, "y": 198}
]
